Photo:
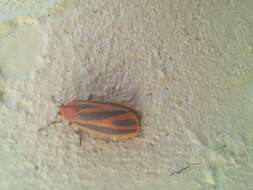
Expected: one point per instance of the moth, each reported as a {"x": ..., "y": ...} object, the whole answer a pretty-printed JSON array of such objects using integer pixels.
[{"x": 106, "y": 120}]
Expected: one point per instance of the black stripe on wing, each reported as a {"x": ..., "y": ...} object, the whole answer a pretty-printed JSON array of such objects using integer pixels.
[
  {"x": 101, "y": 114},
  {"x": 126, "y": 122}
]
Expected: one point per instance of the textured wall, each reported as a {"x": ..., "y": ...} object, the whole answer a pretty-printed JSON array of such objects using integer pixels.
[{"x": 188, "y": 65}]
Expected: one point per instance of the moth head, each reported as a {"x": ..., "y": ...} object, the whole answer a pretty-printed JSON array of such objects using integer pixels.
[{"x": 68, "y": 111}]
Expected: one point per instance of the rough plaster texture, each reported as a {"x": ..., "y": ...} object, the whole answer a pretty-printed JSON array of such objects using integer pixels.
[{"x": 186, "y": 64}]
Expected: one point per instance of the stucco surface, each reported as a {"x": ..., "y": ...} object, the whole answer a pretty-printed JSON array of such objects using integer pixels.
[{"x": 187, "y": 65}]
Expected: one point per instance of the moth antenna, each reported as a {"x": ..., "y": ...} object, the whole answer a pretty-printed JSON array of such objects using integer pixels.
[{"x": 59, "y": 104}]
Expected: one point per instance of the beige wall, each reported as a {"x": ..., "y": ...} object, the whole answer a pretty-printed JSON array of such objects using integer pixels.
[{"x": 188, "y": 65}]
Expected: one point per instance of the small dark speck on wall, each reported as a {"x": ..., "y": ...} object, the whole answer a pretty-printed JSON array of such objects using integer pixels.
[{"x": 36, "y": 167}]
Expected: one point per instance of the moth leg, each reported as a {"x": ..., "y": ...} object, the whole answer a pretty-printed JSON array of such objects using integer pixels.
[
  {"x": 80, "y": 140},
  {"x": 80, "y": 134},
  {"x": 49, "y": 125},
  {"x": 90, "y": 97},
  {"x": 76, "y": 130},
  {"x": 55, "y": 122},
  {"x": 139, "y": 114}
]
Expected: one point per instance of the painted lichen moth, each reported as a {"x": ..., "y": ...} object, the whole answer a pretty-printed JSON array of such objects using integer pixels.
[{"x": 106, "y": 120}]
